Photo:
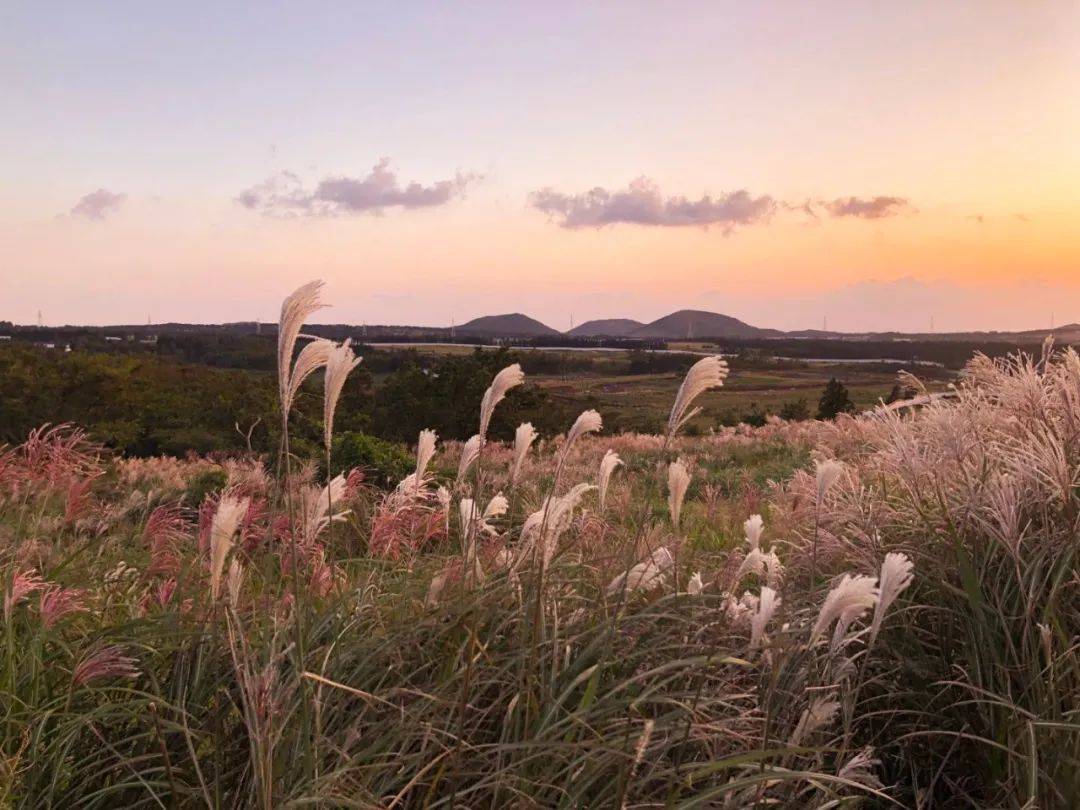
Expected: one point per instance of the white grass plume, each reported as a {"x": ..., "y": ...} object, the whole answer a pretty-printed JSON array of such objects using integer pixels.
[
  {"x": 695, "y": 586},
  {"x": 315, "y": 508},
  {"x": 768, "y": 603},
  {"x": 415, "y": 481},
  {"x": 223, "y": 527},
  {"x": 608, "y": 464},
  {"x": 505, "y": 380},
  {"x": 817, "y": 715},
  {"x": 647, "y": 575},
  {"x": 678, "y": 483},
  {"x": 827, "y": 473},
  {"x": 587, "y": 422},
  {"x": 709, "y": 372},
  {"x": 850, "y": 599},
  {"x": 753, "y": 527},
  {"x": 442, "y": 495},
  {"x": 895, "y": 577},
  {"x": 470, "y": 451},
  {"x": 235, "y": 581},
  {"x": 294, "y": 311},
  {"x": 524, "y": 437},
  {"x": 341, "y": 361},
  {"x": 860, "y": 768},
  {"x": 560, "y": 514},
  {"x": 311, "y": 358}
]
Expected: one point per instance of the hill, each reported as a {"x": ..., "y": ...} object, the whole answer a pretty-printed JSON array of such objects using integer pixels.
[
  {"x": 693, "y": 323},
  {"x": 606, "y": 327},
  {"x": 512, "y": 325}
]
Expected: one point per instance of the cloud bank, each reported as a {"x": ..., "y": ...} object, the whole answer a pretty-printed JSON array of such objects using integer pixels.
[
  {"x": 97, "y": 205},
  {"x": 285, "y": 194},
  {"x": 872, "y": 208},
  {"x": 641, "y": 203}
]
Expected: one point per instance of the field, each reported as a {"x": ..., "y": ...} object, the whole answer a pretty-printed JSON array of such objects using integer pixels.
[{"x": 877, "y": 611}]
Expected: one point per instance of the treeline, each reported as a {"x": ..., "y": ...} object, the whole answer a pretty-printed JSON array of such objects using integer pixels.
[{"x": 144, "y": 404}]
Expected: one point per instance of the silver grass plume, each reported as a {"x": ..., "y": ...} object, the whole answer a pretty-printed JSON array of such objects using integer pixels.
[
  {"x": 315, "y": 507},
  {"x": 524, "y": 436},
  {"x": 709, "y": 372},
  {"x": 753, "y": 527},
  {"x": 817, "y": 715},
  {"x": 560, "y": 514},
  {"x": 646, "y": 575},
  {"x": 678, "y": 483},
  {"x": 223, "y": 527},
  {"x": 895, "y": 577},
  {"x": 338, "y": 365},
  {"x": 587, "y": 422},
  {"x": 294, "y": 311},
  {"x": 234, "y": 582},
  {"x": 695, "y": 586},
  {"x": 415, "y": 481},
  {"x": 505, "y": 380},
  {"x": 768, "y": 602},
  {"x": 826, "y": 472},
  {"x": 311, "y": 358},
  {"x": 850, "y": 599},
  {"x": 608, "y": 464},
  {"x": 860, "y": 768},
  {"x": 470, "y": 451},
  {"x": 442, "y": 495}
]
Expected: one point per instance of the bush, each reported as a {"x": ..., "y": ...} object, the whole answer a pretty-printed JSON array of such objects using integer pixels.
[
  {"x": 208, "y": 482},
  {"x": 383, "y": 463}
]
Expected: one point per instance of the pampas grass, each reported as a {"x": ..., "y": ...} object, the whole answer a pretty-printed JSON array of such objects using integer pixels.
[
  {"x": 338, "y": 365},
  {"x": 708, "y": 373},
  {"x": 524, "y": 437},
  {"x": 294, "y": 311},
  {"x": 506, "y": 379},
  {"x": 608, "y": 464},
  {"x": 470, "y": 452},
  {"x": 678, "y": 483},
  {"x": 226, "y": 522}
]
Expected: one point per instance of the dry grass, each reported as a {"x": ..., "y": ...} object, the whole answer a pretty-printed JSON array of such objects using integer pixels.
[{"x": 897, "y": 627}]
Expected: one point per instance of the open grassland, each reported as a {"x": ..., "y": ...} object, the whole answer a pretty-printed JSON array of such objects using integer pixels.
[{"x": 882, "y": 611}]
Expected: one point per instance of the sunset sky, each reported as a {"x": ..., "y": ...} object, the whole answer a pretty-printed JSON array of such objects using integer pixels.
[{"x": 873, "y": 163}]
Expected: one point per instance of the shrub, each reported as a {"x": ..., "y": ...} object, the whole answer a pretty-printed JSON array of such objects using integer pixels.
[{"x": 383, "y": 463}]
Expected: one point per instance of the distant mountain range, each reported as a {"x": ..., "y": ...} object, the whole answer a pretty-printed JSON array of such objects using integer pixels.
[
  {"x": 692, "y": 324},
  {"x": 682, "y": 325}
]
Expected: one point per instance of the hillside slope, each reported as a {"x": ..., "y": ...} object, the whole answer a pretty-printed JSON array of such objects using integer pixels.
[
  {"x": 693, "y": 323},
  {"x": 606, "y": 327},
  {"x": 513, "y": 325}
]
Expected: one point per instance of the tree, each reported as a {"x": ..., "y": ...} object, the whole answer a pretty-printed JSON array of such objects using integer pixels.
[{"x": 834, "y": 400}]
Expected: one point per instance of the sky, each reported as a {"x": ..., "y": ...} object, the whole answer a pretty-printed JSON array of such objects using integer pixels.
[{"x": 864, "y": 165}]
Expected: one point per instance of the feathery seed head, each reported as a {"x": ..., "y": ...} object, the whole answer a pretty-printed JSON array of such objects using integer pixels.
[
  {"x": 338, "y": 365},
  {"x": 850, "y": 599},
  {"x": 294, "y": 311},
  {"x": 470, "y": 451},
  {"x": 827, "y": 472},
  {"x": 896, "y": 575},
  {"x": 524, "y": 436},
  {"x": 608, "y": 464},
  {"x": 767, "y": 605},
  {"x": 709, "y": 372},
  {"x": 230, "y": 511},
  {"x": 753, "y": 527},
  {"x": 678, "y": 483},
  {"x": 505, "y": 380},
  {"x": 310, "y": 359}
]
